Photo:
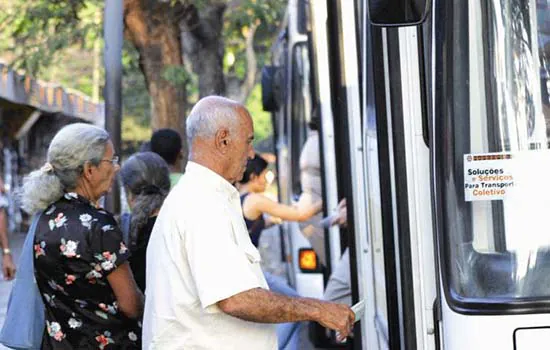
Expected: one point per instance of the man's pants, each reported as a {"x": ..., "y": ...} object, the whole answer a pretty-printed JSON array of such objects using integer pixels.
[{"x": 288, "y": 334}]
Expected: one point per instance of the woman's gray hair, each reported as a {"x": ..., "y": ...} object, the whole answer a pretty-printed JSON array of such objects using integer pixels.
[
  {"x": 146, "y": 176},
  {"x": 209, "y": 115},
  {"x": 70, "y": 149}
]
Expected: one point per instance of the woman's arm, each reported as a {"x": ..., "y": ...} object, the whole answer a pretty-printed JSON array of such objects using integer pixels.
[
  {"x": 272, "y": 220},
  {"x": 261, "y": 204},
  {"x": 129, "y": 297}
]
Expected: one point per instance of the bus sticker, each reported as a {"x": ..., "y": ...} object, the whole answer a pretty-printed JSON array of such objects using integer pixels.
[{"x": 487, "y": 176}]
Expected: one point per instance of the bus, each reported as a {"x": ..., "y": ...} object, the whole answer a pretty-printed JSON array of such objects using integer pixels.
[{"x": 434, "y": 125}]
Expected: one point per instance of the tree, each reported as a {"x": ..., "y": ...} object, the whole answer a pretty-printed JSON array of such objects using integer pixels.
[
  {"x": 250, "y": 28},
  {"x": 203, "y": 45},
  {"x": 176, "y": 43},
  {"x": 153, "y": 29}
]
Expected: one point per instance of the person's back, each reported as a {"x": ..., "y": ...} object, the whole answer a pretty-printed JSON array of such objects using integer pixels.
[
  {"x": 75, "y": 248},
  {"x": 256, "y": 226},
  {"x": 205, "y": 288},
  {"x": 310, "y": 167},
  {"x": 80, "y": 261},
  {"x": 192, "y": 301},
  {"x": 145, "y": 177},
  {"x": 312, "y": 192}
]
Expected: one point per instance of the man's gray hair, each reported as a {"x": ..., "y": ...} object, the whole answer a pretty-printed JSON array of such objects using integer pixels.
[
  {"x": 209, "y": 115},
  {"x": 70, "y": 149}
]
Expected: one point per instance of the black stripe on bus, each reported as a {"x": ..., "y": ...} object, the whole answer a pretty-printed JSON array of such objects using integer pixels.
[{"x": 404, "y": 267}]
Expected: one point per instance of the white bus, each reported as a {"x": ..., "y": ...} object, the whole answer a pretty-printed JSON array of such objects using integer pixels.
[{"x": 434, "y": 127}]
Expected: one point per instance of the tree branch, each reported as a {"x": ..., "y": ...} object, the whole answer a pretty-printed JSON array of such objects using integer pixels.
[{"x": 251, "y": 64}]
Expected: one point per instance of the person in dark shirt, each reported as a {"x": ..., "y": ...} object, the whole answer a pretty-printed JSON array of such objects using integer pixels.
[
  {"x": 80, "y": 261},
  {"x": 168, "y": 144},
  {"x": 146, "y": 179},
  {"x": 255, "y": 204}
]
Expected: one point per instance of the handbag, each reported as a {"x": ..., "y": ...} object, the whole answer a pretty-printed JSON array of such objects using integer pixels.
[{"x": 25, "y": 318}]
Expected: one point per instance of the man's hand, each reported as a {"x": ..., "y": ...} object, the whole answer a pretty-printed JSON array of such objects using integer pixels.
[
  {"x": 338, "y": 317},
  {"x": 8, "y": 267}
]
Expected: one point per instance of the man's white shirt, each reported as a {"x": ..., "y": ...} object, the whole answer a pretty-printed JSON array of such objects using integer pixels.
[{"x": 200, "y": 253}]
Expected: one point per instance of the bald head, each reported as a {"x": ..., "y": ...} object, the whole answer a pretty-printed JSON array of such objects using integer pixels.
[
  {"x": 220, "y": 134},
  {"x": 211, "y": 114}
]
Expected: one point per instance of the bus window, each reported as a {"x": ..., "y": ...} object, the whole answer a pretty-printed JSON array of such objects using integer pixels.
[
  {"x": 494, "y": 93},
  {"x": 300, "y": 109}
]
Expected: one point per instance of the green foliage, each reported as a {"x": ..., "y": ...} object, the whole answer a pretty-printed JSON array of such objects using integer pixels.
[
  {"x": 177, "y": 75},
  {"x": 136, "y": 103},
  {"x": 267, "y": 15},
  {"x": 35, "y": 32},
  {"x": 133, "y": 131},
  {"x": 262, "y": 120},
  {"x": 53, "y": 40}
]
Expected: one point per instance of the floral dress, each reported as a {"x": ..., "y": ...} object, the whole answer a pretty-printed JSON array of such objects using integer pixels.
[{"x": 76, "y": 247}]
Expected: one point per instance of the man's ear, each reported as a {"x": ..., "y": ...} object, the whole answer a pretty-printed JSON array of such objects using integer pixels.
[{"x": 223, "y": 140}]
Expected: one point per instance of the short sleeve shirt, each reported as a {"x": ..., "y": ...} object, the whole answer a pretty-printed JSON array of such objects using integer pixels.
[
  {"x": 200, "y": 253},
  {"x": 76, "y": 247}
]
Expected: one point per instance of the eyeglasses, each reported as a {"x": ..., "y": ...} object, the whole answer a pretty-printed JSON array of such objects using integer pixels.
[{"x": 113, "y": 161}]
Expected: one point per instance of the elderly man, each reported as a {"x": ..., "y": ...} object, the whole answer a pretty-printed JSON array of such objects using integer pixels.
[{"x": 205, "y": 288}]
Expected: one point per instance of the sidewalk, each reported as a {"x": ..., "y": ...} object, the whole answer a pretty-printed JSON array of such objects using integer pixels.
[{"x": 16, "y": 242}]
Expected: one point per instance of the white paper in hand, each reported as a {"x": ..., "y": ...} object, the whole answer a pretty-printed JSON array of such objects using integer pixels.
[{"x": 359, "y": 310}]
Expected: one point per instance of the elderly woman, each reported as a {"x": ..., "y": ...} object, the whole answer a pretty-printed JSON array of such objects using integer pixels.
[
  {"x": 81, "y": 267},
  {"x": 146, "y": 179}
]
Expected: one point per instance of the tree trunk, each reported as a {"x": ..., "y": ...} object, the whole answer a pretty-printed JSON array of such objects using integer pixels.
[
  {"x": 96, "y": 72},
  {"x": 238, "y": 89},
  {"x": 202, "y": 42},
  {"x": 251, "y": 63},
  {"x": 154, "y": 30}
]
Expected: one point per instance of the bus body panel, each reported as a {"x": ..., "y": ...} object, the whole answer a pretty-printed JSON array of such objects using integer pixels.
[{"x": 491, "y": 332}]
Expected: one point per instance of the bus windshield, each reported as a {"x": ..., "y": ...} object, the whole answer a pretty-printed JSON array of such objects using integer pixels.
[{"x": 492, "y": 158}]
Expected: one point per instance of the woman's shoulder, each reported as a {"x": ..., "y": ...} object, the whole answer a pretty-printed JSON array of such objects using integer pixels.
[
  {"x": 251, "y": 197},
  {"x": 62, "y": 213},
  {"x": 258, "y": 201}
]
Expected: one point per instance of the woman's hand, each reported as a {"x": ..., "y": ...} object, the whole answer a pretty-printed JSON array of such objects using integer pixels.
[
  {"x": 8, "y": 267},
  {"x": 273, "y": 220},
  {"x": 342, "y": 217}
]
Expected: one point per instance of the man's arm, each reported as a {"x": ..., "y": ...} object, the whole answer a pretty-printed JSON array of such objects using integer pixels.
[{"x": 260, "y": 305}]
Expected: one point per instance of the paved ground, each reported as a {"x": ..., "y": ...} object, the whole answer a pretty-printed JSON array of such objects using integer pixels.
[{"x": 16, "y": 242}]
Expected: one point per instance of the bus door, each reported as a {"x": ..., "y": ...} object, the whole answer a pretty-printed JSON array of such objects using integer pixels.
[{"x": 394, "y": 241}]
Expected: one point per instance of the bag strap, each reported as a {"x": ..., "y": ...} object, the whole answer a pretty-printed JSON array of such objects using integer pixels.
[
  {"x": 125, "y": 221},
  {"x": 32, "y": 229}
]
